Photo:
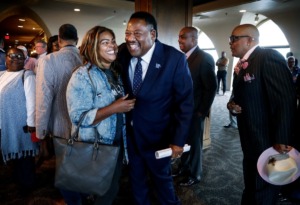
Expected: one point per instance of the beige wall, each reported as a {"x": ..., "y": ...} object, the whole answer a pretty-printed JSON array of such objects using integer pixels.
[
  {"x": 219, "y": 33},
  {"x": 51, "y": 16}
]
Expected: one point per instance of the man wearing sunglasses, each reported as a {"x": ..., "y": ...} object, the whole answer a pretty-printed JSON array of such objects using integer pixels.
[{"x": 264, "y": 102}]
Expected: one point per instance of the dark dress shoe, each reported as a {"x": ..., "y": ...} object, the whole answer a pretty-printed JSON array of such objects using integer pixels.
[
  {"x": 189, "y": 181},
  {"x": 227, "y": 126},
  {"x": 179, "y": 172}
]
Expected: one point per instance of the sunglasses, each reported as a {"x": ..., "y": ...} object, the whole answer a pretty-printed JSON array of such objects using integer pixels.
[
  {"x": 234, "y": 38},
  {"x": 15, "y": 56}
]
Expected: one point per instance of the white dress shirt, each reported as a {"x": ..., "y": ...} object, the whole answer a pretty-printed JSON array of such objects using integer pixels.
[{"x": 145, "y": 63}]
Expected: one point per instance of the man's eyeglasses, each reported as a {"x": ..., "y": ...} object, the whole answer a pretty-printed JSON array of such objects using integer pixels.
[
  {"x": 234, "y": 38},
  {"x": 15, "y": 56}
]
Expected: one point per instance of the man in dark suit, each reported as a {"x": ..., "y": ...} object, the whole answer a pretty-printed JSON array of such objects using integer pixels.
[
  {"x": 264, "y": 101},
  {"x": 163, "y": 109},
  {"x": 202, "y": 68}
]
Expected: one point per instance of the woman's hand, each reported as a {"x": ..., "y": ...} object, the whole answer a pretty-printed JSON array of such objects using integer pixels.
[
  {"x": 119, "y": 106},
  {"x": 124, "y": 105}
]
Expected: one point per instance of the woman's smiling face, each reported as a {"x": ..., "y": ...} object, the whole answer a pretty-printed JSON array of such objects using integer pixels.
[{"x": 108, "y": 47}]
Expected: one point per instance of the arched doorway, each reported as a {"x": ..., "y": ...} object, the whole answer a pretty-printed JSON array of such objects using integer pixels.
[{"x": 22, "y": 26}]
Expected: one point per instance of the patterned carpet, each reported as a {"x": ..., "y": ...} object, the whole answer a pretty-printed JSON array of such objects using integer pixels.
[
  {"x": 221, "y": 183},
  {"x": 222, "y": 180}
]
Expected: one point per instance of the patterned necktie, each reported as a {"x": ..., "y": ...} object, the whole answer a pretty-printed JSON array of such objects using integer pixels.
[{"x": 137, "y": 78}]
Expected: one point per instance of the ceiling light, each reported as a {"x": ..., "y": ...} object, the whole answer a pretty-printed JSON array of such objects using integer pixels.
[
  {"x": 21, "y": 19},
  {"x": 243, "y": 11},
  {"x": 33, "y": 28},
  {"x": 76, "y": 9},
  {"x": 124, "y": 23},
  {"x": 20, "y": 26},
  {"x": 256, "y": 18}
]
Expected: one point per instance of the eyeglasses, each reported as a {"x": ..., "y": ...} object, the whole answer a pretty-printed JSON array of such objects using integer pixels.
[
  {"x": 15, "y": 56},
  {"x": 234, "y": 38}
]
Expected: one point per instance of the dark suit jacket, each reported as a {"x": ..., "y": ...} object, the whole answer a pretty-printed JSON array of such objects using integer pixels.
[
  {"x": 164, "y": 103},
  {"x": 202, "y": 68},
  {"x": 268, "y": 102}
]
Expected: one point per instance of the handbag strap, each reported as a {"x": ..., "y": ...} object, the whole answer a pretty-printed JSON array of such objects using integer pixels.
[
  {"x": 75, "y": 134},
  {"x": 92, "y": 83}
]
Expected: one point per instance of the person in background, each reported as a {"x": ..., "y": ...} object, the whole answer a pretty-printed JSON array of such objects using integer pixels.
[
  {"x": 99, "y": 51},
  {"x": 17, "y": 120},
  {"x": 202, "y": 68},
  {"x": 34, "y": 55},
  {"x": 52, "y": 44},
  {"x": 298, "y": 114},
  {"x": 264, "y": 101},
  {"x": 41, "y": 50},
  {"x": 288, "y": 54},
  {"x": 295, "y": 70},
  {"x": 232, "y": 118},
  {"x": 2, "y": 55},
  {"x": 222, "y": 64},
  {"x": 158, "y": 77},
  {"x": 30, "y": 62},
  {"x": 232, "y": 123},
  {"x": 52, "y": 115}
]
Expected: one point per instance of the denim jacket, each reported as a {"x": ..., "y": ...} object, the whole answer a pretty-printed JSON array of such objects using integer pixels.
[{"x": 88, "y": 90}]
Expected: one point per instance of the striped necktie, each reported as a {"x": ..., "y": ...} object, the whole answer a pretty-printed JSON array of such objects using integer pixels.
[{"x": 137, "y": 77}]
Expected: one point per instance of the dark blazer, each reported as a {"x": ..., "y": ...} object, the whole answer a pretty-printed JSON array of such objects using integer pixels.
[
  {"x": 268, "y": 102},
  {"x": 202, "y": 68},
  {"x": 164, "y": 103}
]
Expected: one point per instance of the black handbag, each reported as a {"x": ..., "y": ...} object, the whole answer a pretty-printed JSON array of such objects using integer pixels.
[{"x": 84, "y": 167}]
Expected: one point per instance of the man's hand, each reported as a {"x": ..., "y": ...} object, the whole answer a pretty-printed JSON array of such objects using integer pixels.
[
  {"x": 281, "y": 148},
  {"x": 176, "y": 151},
  {"x": 234, "y": 108}
]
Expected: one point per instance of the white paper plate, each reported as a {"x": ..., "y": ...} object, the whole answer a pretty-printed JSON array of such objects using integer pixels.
[{"x": 263, "y": 160}]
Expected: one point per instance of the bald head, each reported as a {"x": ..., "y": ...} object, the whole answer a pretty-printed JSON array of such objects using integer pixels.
[
  {"x": 249, "y": 30},
  {"x": 191, "y": 30},
  {"x": 242, "y": 39}
]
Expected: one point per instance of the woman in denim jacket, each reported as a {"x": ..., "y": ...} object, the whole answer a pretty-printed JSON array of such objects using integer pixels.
[{"x": 96, "y": 88}]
